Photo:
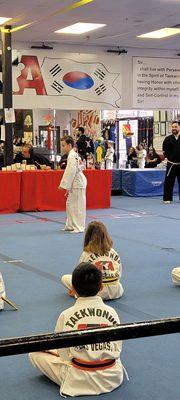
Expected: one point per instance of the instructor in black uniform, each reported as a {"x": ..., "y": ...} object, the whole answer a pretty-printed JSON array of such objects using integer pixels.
[
  {"x": 171, "y": 150},
  {"x": 84, "y": 144}
]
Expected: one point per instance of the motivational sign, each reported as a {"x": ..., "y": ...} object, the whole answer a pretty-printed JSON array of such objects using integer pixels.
[{"x": 156, "y": 82}]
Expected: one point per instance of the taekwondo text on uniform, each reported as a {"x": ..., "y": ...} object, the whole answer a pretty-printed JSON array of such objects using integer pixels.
[{"x": 90, "y": 312}]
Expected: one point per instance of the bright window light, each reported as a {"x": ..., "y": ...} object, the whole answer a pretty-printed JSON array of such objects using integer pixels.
[
  {"x": 161, "y": 33},
  {"x": 80, "y": 27},
  {"x": 3, "y": 20}
]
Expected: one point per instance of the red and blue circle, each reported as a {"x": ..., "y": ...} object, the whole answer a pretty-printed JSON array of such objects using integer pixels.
[{"x": 78, "y": 80}]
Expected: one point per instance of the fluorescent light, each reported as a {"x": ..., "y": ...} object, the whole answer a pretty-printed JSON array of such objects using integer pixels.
[
  {"x": 80, "y": 27},
  {"x": 161, "y": 33},
  {"x": 3, "y": 20}
]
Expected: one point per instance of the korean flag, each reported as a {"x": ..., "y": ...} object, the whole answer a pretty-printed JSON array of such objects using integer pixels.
[{"x": 90, "y": 82}]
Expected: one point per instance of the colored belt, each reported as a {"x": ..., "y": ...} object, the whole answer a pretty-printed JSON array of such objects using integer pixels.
[
  {"x": 92, "y": 365},
  {"x": 109, "y": 281},
  {"x": 173, "y": 163}
]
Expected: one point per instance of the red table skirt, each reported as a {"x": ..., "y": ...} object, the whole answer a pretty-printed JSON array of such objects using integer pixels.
[
  {"x": 10, "y": 183},
  {"x": 39, "y": 190}
]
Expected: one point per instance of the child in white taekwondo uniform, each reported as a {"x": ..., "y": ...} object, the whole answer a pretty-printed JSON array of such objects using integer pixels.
[
  {"x": 87, "y": 369},
  {"x": 2, "y": 292},
  {"x": 99, "y": 251},
  {"x": 74, "y": 182},
  {"x": 109, "y": 155},
  {"x": 141, "y": 156}
]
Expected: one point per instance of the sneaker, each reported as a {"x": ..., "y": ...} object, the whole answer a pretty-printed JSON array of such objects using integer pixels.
[{"x": 167, "y": 202}]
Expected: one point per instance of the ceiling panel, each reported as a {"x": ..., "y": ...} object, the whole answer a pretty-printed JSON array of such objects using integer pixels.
[{"x": 125, "y": 20}]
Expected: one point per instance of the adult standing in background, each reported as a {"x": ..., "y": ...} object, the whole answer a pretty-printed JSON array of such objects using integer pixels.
[
  {"x": 171, "y": 150},
  {"x": 85, "y": 144},
  {"x": 74, "y": 182}
]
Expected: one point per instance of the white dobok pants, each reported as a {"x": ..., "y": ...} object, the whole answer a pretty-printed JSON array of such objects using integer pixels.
[
  {"x": 49, "y": 365},
  {"x": 75, "y": 382},
  {"x": 76, "y": 210},
  {"x": 109, "y": 164}
]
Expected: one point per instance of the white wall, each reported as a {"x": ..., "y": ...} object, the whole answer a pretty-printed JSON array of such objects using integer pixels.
[
  {"x": 63, "y": 114},
  {"x": 116, "y": 63},
  {"x": 125, "y": 60}
]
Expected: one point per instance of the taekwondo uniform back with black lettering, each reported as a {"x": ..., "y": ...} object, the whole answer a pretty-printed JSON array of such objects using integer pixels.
[
  {"x": 83, "y": 378},
  {"x": 111, "y": 268}
]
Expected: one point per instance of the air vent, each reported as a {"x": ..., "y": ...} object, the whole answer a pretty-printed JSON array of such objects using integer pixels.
[{"x": 42, "y": 47}]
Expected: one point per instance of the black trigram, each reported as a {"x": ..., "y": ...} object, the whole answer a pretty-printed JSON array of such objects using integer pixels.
[
  {"x": 99, "y": 73},
  {"x": 57, "y": 86},
  {"x": 100, "y": 89},
  {"x": 54, "y": 71}
]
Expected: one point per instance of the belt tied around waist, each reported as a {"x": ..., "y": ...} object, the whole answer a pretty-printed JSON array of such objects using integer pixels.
[
  {"x": 109, "y": 281},
  {"x": 93, "y": 365},
  {"x": 173, "y": 163}
]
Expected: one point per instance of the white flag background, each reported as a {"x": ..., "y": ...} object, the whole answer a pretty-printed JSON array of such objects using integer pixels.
[{"x": 104, "y": 89}]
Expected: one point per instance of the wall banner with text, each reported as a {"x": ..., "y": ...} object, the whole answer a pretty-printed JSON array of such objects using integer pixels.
[
  {"x": 67, "y": 81},
  {"x": 156, "y": 83}
]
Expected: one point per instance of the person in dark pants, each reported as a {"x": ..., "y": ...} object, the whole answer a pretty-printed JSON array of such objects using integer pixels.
[{"x": 171, "y": 149}]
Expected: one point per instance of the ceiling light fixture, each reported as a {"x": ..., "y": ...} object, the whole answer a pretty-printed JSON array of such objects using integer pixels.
[
  {"x": 160, "y": 34},
  {"x": 42, "y": 46},
  {"x": 79, "y": 28},
  {"x": 3, "y": 20}
]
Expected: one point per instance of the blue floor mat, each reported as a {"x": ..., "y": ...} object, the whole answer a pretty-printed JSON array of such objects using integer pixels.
[{"x": 34, "y": 253}]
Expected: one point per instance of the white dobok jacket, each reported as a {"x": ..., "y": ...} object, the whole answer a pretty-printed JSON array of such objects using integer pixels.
[
  {"x": 81, "y": 376},
  {"x": 73, "y": 177}
]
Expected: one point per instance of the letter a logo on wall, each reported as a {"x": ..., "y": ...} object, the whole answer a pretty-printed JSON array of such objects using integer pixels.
[
  {"x": 90, "y": 82},
  {"x": 28, "y": 76}
]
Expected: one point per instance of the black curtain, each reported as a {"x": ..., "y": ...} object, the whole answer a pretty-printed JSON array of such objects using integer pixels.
[{"x": 145, "y": 130}]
